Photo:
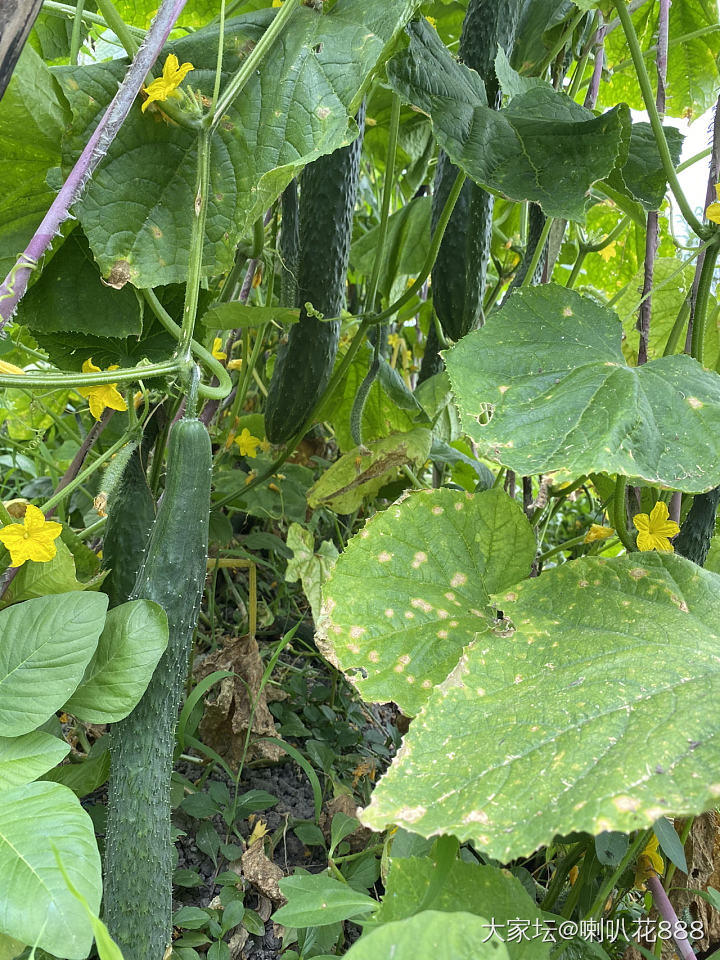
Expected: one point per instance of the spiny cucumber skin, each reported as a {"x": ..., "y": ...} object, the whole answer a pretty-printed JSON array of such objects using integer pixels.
[
  {"x": 304, "y": 362},
  {"x": 139, "y": 852},
  {"x": 693, "y": 541},
  {"x": 131, "y": 513},
  {"x": 458, "y": 276}
]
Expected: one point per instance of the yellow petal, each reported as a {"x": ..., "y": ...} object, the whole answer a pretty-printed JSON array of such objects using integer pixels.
[
  {"x": 713, "y": 212},
  {"x": 89, "y": 366},
  {"x": 171, "y": 66},
  {"x": 34, "y": 519},
  {"x": 216, "y": 351},
  {"x": 598, "y": 532},
  {"x": 659, "y": 513},
  {"x": 641, "y": 522},
  {"x": 645, "y": 541},
  {"x": 6, "y": 367},
  {"x": 40, "y": 551}
]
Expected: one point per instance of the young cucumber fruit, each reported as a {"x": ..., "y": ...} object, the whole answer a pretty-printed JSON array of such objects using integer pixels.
[
  {"x": 139, "y": 851},
  {"x": 304, "y": 362}
]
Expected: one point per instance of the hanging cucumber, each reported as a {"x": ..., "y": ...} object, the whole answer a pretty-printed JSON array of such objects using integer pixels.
[
  {"x": 139, "y": 853},
  {"x": 131, "y": 512},
  {"x": 696, "y": 533},
  {"x": 304, "y": 362},
  {"x": 458, "y": 276}
]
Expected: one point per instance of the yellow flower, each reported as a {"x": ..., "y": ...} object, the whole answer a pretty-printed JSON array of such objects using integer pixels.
[
  {"x": 277, "y": 3},
  {"x": 165, "y": 86},
  {"x": 598, "y": 532},
  {"x": 713, "y": 211},
  {"x": 247, "y": 444},
  {"x": 608, "y": 252},
  {"x": 648, "y": 863},
  {"x": 234, "y": 364},
  {"x": 394, "y": 341},
  {"x": 6, "y": 367},
  {"x": 34, "y": 540},
  {"x": 216, "y": 351},
  {"x": 654, "y": 530},
  {"x": 103, "y": 395},
  {"x": 432, "y": 21}
]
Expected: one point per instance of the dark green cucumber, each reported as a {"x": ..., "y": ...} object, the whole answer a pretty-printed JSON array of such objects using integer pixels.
[
  {"x": 304, "y": 362},
  {"x": 458, "y": 276},
  {"x": 139, "y": 853},
  {"x": 696, "y": 533},
  {"x": 131, "y": 512}
]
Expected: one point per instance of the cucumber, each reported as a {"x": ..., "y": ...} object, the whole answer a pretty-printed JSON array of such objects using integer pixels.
[
  {"x": 139, "y": 852},
  {"x": 458, "y": 276},
  {"x": 131, "y": 512},
  {"x": 305, "y": 360},
  {"x": 693, "y": 541}
]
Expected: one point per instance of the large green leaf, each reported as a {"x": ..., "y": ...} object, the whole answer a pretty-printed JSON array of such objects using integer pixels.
[
  {"x": 431, "y": 935},
  {"x": 70, "y": 296},
  {"x": 599, "y": 712},
  {"x": 294, "y": 110},
  {"x": 24, "y": 758},
  {"x": 36, "y": 905},
  {"x": 561, "y": 398},
  {"x": 47, "y": 643},
  {"x": 32, "y": 120},
  {"x": 131, "y": 644},
  {"x": 543, "y": 147},
  {"x": 427, "y": 566},
  {"x": 480, "y": 890}
]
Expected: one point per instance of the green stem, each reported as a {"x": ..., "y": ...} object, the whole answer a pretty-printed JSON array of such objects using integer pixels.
[
  {"x": 620, "y": 515},
  {"x": 218, "y": 67},
  {"x": 537, "y": 253},
  {"x": 677, "y": 328},
  {"x": 576, "y": 267},
  {"x": 655, "y": 122},
  {"x": 197, "y": 242},
  {"x": 252, "y": 62},
  {"x": 71, "y": 378},
  {"x": 703, "y": 298},
  {"x": 90, "y": 531},
  {"x": 57, "y": 9},
  {"x": 386, "y": 197},
  {"x": 429, "y": 260},
  {"x": 692, "y": 160},
  {"x": 118, "y": 26},
  {"x": 75, "y": 38},
  {"x": 225, "y": 383}
]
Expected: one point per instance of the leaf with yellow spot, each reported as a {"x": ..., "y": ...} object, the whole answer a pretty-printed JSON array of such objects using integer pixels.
[
  {"x": 427, "y": 566},
  {"x": 598, "y": 713},
  {"x": 571, "y": 404}
]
